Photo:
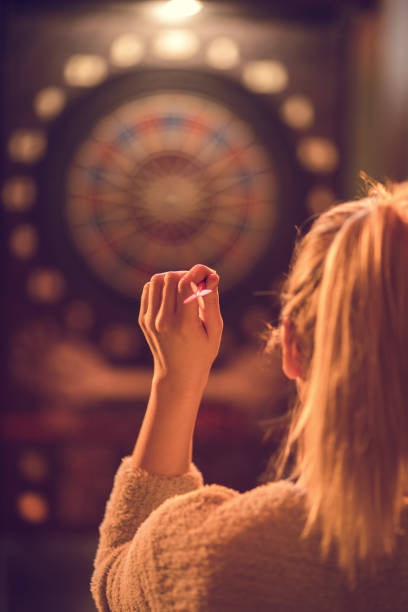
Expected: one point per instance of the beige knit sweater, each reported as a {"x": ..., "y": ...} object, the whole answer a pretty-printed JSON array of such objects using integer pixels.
[{"x": 170, "y": 543}]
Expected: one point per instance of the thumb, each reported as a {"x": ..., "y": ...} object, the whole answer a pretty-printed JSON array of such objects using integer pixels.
[{"x": 211, "y": 314}]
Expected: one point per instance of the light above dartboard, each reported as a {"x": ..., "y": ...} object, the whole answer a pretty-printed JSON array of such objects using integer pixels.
[
  {"x": 85, "y": 70},
  {"x": 223, "y": 53},
  {"x": 176, "y": 44},
  {"x": 127, "y": 50},
  {"x": 165, "y": 181},
  {"x": 177, "y": 10}
]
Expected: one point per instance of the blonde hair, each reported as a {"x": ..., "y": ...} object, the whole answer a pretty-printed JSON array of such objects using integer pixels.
[{"x": 347, "y": 299}]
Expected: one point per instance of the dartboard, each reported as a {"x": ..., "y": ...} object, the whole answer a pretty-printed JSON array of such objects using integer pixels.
[{"x": 166, "y": 177}]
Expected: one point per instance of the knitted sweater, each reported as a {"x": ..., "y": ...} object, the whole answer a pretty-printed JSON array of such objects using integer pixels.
[{"x": 170, "y": 543}]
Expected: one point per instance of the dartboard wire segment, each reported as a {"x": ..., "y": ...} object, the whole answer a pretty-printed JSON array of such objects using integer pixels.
[{"x": 167, "y": 180}]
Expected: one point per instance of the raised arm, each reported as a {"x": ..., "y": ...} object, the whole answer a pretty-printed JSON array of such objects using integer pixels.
[{"x": 184, "y": 339}]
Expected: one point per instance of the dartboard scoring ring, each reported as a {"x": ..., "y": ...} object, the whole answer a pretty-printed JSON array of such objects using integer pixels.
[{"x": 165, "y": 181}]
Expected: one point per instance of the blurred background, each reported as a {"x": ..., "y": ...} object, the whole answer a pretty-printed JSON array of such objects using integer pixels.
[{"x": 139, "y": 137}]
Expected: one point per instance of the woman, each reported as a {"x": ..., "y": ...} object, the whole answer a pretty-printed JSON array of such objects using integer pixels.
[{"x": 336, "y": 539}]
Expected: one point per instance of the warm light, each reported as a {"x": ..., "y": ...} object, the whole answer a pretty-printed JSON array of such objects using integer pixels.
[
  {"x": 27, "y": 146},
  {"x": 318, "y": 154},
  {"x": 126, "y": 50},
  {"x": 18, "y": 193},
  {"x": 120, "y": 341},
  {"x": 32, "y": 507},
  {"x": 79, "y": 316},
  {"x": 85, "y": 70},
  {"x": 176, "y": 44},
  {"x": 223, "y": 53},
  {"x": 33, "y": 466},
  {"x": 46, "y": 285},
  {"x": 176, "y": 10},
  {"x": 319, "y": 198},
  {"x": 298, "y": 112},
  {"x": 49, "y": 102},
  {"x": 23, "y": 241},
  {"x": 265, "y": 76}
]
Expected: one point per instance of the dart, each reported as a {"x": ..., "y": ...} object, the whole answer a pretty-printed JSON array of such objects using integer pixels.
[{"x": 198, "y": 293}]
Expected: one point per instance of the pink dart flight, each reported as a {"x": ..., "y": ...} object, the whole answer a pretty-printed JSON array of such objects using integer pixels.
[{"x": 198, "y": 293}]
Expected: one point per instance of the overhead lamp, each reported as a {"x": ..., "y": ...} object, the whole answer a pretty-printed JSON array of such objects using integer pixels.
[{"x": 177, "y": 10}]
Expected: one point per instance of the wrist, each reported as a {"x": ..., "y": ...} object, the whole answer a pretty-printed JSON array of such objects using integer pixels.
[
  {"x": 181, "y": 377},
  {"x": 183, "y": 383}
]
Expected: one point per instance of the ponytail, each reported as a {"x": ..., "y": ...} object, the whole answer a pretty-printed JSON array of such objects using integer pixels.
[{"x": 352, "y": 427}]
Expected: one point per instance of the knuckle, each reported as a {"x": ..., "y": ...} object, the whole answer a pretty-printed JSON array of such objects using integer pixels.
[
  {"x": 148, "y": 321},
  {"x": 161, "y": 325},
  {"x": 204, "y": 269},
  {"x": 142, "y": 320},
  {"x": 157, "y": 278},
  {"x": 171, "y": 277}
]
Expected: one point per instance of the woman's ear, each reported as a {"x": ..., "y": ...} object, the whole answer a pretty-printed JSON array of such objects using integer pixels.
[{"x": 291, "y": 362}]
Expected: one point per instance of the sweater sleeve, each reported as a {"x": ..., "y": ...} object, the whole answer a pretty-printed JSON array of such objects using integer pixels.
[{"x": 135, "y": 495}]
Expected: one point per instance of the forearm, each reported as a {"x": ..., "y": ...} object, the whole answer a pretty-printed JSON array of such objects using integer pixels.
[{"x": 164, "y": 444}]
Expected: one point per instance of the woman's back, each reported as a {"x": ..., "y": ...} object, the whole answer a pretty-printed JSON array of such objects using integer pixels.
[{"x": 213, "y": 549}]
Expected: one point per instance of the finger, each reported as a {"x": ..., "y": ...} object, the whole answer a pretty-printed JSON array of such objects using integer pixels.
[
  {"x": 154, "y": 301},
  {"x": 186, "y": 306},
  {"x": 169, "y": 297},
  {"x": 198, "y": 273},
  {"x": 143, "y": 303},
  {"x": 210, "y": 312}
]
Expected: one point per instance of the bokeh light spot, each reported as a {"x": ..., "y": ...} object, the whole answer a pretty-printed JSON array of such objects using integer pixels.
[
  {"x": 33, "y": 466},
  {"x": 49, "y": 102},
  {"x": 176, "y": 44},
  {"x": 27, "y": 146},
  {"x": 120, "y": 341},
  {"x": 318, "y": 154},
  {"x": 79, "y": 316},
  {"x": 46, "y": 285},
  {"x": 319, "y": 198},
  {"x": 32, "y": 507},
  {"x": 177, "y": 10},
  {"x": 85, "y": 70},
  {"x": 18, "y": 193},
  {"x": 126, "y": 50},
  {"x": 265, "y": 76},
  {"x": 298, "y": 112},
  {"x": 23, "y": 241},
  {"x": 222, "y": 53}
]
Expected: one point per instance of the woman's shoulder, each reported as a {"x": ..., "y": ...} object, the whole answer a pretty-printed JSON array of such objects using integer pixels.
[
  {"x": 279, "y": 506},
  {"x": 230, "y": 544}
]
